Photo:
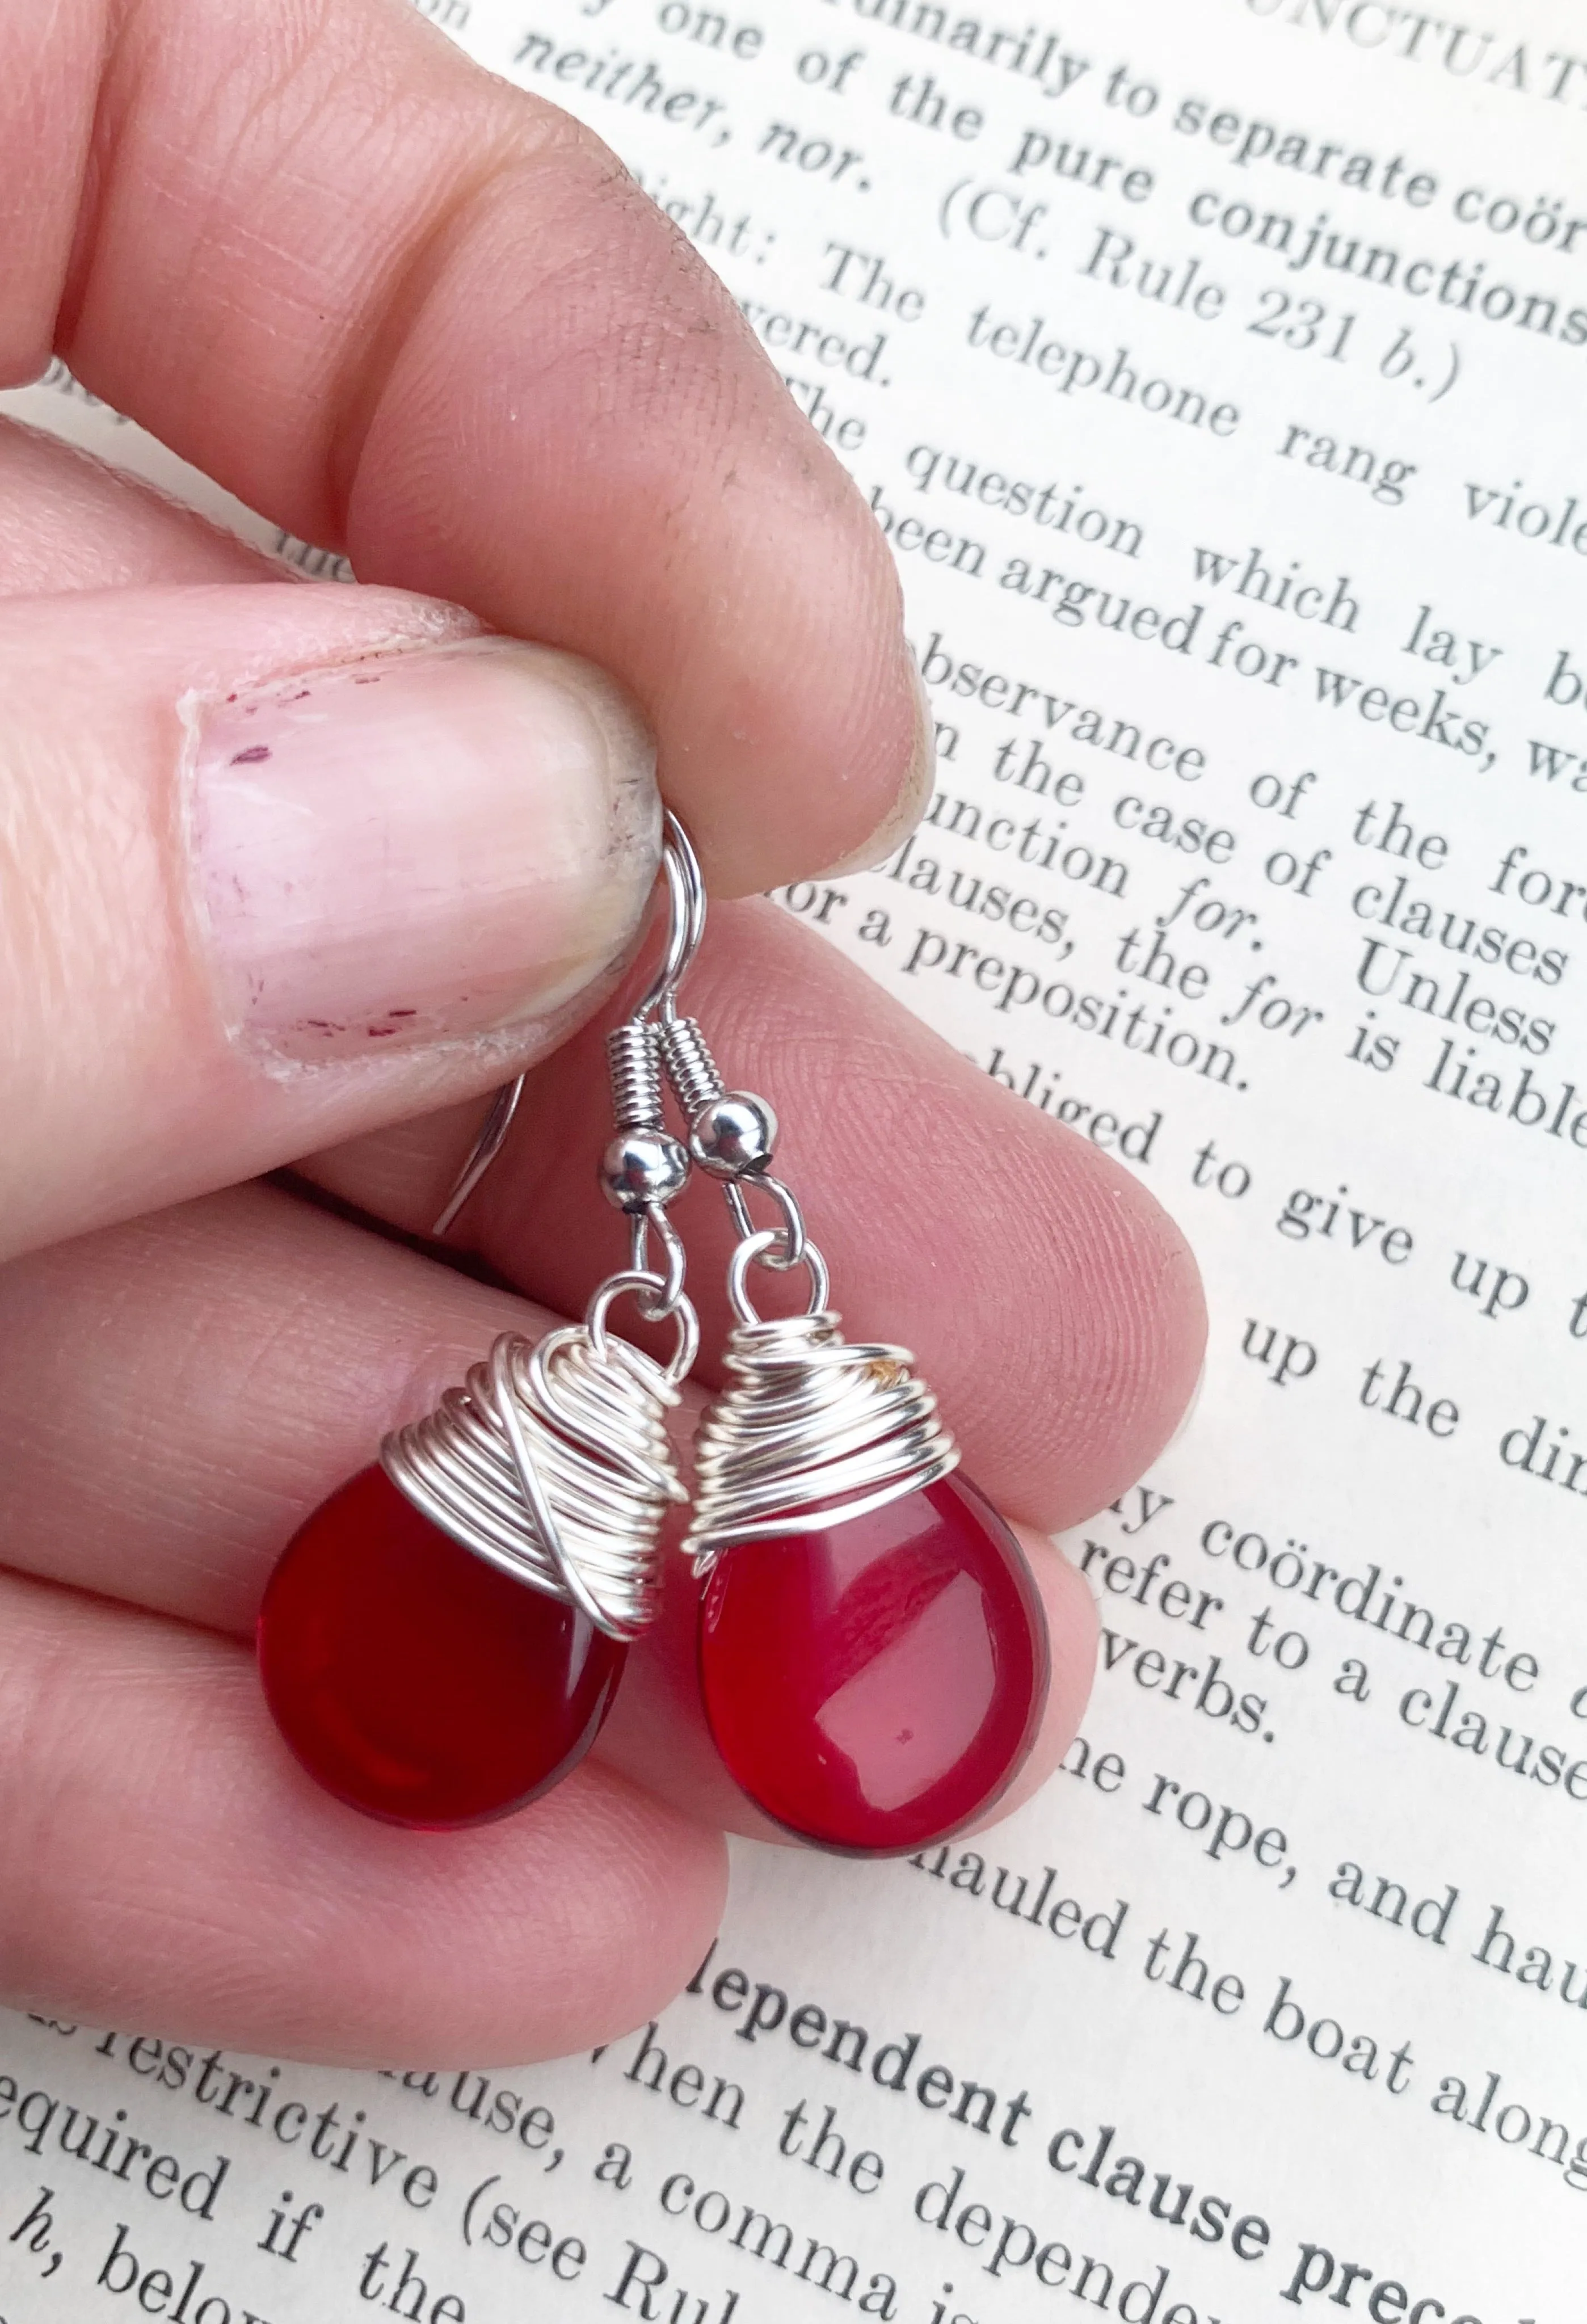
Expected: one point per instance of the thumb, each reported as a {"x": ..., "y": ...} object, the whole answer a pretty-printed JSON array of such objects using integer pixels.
[{"x": 281, "y": 863}]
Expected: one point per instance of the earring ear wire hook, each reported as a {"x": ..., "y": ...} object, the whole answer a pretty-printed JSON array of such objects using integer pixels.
[
  {"x": 492, "y": 1137},
  {"x": 686, "y": 889},
  {"x": 686, "y": 896}
]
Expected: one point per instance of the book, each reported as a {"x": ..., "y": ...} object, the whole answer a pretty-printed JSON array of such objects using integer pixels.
[{"x": 1215, "y": 369}]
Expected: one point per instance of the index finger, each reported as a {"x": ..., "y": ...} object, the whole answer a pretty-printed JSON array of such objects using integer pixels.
[{"x": 410, "y": 311}]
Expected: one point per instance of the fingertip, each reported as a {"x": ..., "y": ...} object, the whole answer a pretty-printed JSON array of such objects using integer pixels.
[
  {"x": 1072, "y": 1634},
  {"x": 772, "y": 666},
  {"x": 184, "y": 1868},
  {"x": 1138, "y": 1271},
  {"x": 912, "y": 795},
  {"x": 655, "y": 1921},
  {"x": 1103, "y": 1317},
  {"x": 823, "y": 755},
  {"x": 557, "y": 1929}
]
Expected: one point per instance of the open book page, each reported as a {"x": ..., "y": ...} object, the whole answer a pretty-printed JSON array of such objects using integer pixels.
[{"x": 1216, "y": 368}]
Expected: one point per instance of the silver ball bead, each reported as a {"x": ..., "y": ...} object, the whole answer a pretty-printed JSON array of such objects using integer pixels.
[
  {"x": 734, "y": 1134},
  {"x": 642, "y": 1167}
]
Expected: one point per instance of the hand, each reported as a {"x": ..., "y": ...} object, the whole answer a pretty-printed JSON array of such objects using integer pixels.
[{"x": 255, "y": 907}]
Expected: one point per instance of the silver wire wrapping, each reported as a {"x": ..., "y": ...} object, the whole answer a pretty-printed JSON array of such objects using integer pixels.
[
  {"x": 809, "y": 1419},
  {"x": 552, "y": 1461}
]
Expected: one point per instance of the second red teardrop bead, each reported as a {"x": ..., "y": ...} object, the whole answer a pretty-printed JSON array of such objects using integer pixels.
[
  {"x": 876, "y": 1683},
  {"x": 415, "y": 1681}
]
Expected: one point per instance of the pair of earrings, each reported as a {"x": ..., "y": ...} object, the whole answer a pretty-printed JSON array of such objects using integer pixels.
[{"x": 441, "y": 1641}]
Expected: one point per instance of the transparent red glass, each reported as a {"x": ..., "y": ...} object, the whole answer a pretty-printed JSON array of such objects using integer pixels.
[
  {"x": 414, "y": 1680},
  {"x": 875, "y": 1684}
]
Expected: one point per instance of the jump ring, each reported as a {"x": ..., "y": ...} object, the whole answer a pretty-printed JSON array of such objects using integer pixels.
[
  {"x": 788, "y": 1245},
  {"x": 645, "y": 1288},
  {"x": 657, "y": 1311},
  {"x": 746, "y": 1255}
]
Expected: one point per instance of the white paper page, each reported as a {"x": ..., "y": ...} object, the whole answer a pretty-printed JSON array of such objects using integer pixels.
[{"x": 1218, "y": 370}]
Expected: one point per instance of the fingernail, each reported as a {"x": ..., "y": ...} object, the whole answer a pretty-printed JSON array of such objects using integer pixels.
[
  {"x": 418, "y": 848},
  {"x": 914, "y": 797}
]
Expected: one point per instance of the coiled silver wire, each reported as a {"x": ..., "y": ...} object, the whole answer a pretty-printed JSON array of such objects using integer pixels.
[
  {"x": 633, "y": 1059},
  {"x": 693, "y": 1071},
  {"x": 809, "y": 1419},
  {"x": 552, "y": 1461}
]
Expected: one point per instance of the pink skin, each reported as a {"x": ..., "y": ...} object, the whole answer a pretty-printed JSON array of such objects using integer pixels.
[
  {"x": 232, "y": 1358},
  {"x": 505, "y": 379}
]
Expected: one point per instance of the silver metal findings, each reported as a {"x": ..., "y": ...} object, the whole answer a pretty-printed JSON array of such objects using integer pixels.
[
  {"x": 813, "y": 1431},
  {"x": 552, "y": 1461}
]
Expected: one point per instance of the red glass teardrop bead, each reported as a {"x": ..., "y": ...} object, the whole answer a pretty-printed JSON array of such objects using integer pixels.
[
  {"x": 415, "y": 1681},
  {"x": 875, "y": 1684}
]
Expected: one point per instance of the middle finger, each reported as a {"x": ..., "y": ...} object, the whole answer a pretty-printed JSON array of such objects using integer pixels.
[
  {"x": 226, "y": 1365},
  {"x": 1052, "y": 1304}
]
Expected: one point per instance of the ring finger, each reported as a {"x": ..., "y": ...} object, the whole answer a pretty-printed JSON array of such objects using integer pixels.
[{"x": 228, "y": 1364}]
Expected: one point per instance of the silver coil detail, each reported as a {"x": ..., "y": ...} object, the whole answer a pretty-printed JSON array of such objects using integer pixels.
[
  {"x": 552, "y": 1461},
  {"x": 691, "y": 1068},
  {"x": 812, "y": 1431},
  {"x": 633, "y": 1059}
]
